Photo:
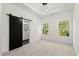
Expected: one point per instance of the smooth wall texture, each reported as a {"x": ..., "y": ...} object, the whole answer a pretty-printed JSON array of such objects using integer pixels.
[
  {"x": 0, "y": 27},
  {"x": 19, "y": 10},
  {"x": 76, "y": 28},
  {"x": 53, "y": 21}
]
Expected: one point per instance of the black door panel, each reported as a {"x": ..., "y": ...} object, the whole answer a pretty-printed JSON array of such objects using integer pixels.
[{"x": 15, "y": 31}]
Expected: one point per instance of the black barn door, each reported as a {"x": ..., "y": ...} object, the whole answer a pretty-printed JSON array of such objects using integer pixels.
[{"x": 15, "y": 31}]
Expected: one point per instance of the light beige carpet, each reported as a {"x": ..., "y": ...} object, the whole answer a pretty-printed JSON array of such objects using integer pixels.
[{"x": 43, "y": 48}]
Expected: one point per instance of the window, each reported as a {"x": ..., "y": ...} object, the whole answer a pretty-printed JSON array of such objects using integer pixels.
[
  {"x": 45, "y": 28},
  {"x": 64, "y": 28}
]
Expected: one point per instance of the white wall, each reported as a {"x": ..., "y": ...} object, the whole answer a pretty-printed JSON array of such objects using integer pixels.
[
  {"x": 53, "y": 20},
  {"x": 0, "y": 27},
  {"x": 18, "y": 10},
  {"x": 76, "y": 28}
]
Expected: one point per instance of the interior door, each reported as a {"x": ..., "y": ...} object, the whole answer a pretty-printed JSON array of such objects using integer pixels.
[{"x": 15, "y": 31}]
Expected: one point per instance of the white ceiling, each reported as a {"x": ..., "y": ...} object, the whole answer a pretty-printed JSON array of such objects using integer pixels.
[{"x": 51, "y": 7}]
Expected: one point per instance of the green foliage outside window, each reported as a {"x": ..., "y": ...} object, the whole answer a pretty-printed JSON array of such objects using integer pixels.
[
  {"x": 64, "y": 28},
  {"x": 45, "y": 28}
]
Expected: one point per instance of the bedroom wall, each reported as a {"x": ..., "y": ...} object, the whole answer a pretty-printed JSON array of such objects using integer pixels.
[
  {"x": 0, "y": 26},
  {"x": 53, "y": 20},
  {"x": 76, "y": 28},
  {"x": 19, "y": 10}
]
